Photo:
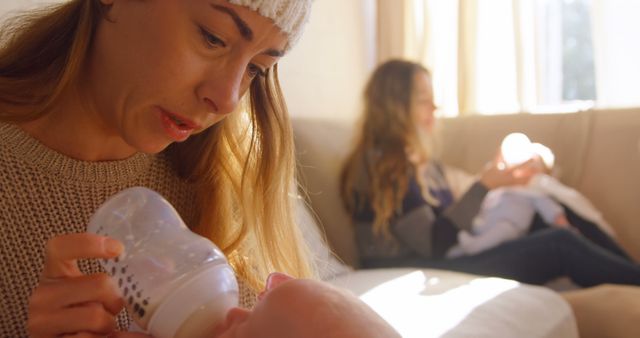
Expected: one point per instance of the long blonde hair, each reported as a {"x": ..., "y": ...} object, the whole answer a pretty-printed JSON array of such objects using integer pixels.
[
  {"x": 378, "y": 169},
  {"x": 244, "y": 199}
]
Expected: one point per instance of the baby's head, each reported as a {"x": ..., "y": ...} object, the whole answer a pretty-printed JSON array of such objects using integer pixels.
[
  {"x": 304, "y": 308},
  {"x": 544, "y": 156}
]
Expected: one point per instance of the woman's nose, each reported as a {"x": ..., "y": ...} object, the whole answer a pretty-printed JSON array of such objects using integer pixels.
[{"x": 222, "y": 88}]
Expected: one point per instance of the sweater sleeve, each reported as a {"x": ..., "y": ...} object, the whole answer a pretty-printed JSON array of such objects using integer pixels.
[
  {"x": 430, "y": 235},
  {"x": 414, "y": 229},
  {"x": 462, "y": 212}
]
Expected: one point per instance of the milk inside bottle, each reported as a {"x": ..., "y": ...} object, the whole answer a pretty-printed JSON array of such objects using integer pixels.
[{"x": 174, "y": 282}]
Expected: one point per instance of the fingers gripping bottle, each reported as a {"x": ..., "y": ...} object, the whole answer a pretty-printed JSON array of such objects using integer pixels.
[{"x": 174, "y": 283}]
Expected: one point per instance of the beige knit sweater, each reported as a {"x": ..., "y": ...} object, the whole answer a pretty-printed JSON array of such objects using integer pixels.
[{"x": 44, "y": 193}]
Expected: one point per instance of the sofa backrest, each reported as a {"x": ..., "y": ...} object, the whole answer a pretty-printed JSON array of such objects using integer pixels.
[
  {"x": 321, "y": 147},
  {"x": 597, "y": 153}
]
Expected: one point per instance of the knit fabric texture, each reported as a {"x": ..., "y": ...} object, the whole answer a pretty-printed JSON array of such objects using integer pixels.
[
  {"x": 289, "y": 15},
  {"x": 44, "y": 194}
]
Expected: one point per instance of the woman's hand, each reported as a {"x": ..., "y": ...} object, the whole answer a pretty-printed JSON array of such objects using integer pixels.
[
  {"x": 497, "y": 175},
  {"x": 68, "y": 303}
]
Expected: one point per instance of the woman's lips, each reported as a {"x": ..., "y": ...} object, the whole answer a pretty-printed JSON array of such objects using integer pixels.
[{"x": 177, "y": 127}]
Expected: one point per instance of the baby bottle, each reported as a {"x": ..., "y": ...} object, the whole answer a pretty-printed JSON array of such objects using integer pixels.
[
  {"x": 516, "y": 149},
  {"x": 174, "y": 282}
]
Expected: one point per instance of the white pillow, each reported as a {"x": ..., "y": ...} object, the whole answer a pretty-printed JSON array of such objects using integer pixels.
[{"x": 325, "y": 262}]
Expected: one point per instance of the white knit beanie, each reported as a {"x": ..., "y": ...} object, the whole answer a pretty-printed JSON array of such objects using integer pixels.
[{"x": 289, "y": 15}]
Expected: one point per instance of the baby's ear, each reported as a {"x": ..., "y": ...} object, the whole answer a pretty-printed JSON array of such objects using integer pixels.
[{"x": 275, "y": 279}]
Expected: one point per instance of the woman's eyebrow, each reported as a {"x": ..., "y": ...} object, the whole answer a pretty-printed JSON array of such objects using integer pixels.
[{"x": 243, "y": 28}]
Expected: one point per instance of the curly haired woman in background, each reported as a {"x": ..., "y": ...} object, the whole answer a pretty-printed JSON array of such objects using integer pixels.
[{"x": 407, "y": 214}]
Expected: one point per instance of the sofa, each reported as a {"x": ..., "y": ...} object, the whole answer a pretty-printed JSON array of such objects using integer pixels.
[{"x": 597, "y": 153}]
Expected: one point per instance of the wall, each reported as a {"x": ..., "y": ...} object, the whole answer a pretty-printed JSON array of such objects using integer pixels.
[{"x": 324, "y": 75}]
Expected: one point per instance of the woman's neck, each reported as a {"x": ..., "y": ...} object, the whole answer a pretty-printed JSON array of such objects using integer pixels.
[{"x": 76, "y": 130}]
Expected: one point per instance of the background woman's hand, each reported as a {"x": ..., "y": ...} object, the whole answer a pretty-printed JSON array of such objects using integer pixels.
[
  {"x": 497, "y": 175},
  {"x": 68, "y": 303}
]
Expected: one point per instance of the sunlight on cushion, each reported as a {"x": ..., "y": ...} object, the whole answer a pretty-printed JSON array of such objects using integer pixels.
[
  {"x": 437, "y": 303},
  {"x": 446, "y": 307}
]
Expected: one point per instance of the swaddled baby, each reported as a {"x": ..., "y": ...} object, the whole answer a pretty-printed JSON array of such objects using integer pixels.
[{"x": 507, "y": 213}]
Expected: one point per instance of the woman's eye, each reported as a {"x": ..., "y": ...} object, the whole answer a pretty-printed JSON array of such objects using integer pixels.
[
  {"x": 210, "y": 39},
  {"x": 254, "y": 71}
]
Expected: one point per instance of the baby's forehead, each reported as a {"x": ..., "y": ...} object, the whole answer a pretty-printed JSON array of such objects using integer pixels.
[
  {"x": 286, "y": 311},
  {"x": 307, "y": 308},
  {"x": 298, "y": 291},
  {"x": 301, "y": 300}
]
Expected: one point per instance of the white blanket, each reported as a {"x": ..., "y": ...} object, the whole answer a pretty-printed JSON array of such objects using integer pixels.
[
  {"x": 572, "y": 199},
  {"x": 435, "y": 303}
]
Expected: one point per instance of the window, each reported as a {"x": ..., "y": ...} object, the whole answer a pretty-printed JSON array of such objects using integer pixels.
[
  {"x": 507, "y": 56},
  {"x": 565, "y": 53},
  {"x": 578, "y": 72}
]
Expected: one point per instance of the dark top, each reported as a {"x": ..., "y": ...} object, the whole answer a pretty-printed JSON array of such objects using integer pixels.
[{"x": 419, "y": 230}]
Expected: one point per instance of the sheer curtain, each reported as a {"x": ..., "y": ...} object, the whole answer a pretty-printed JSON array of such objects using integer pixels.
[
  {"x": 616, "y": 30},
  {"x": 471, "y": 47},
  {"x": 398, "y": 31},
  {"x": 506, "y": 56}
]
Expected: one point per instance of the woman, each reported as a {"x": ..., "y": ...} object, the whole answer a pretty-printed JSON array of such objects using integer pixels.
[
  {"x": 406, "y": 215},
  {"x": 100, "y": 95}
]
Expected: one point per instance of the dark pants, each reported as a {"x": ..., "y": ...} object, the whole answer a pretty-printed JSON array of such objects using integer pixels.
[{"x": 589, "y": 258}]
